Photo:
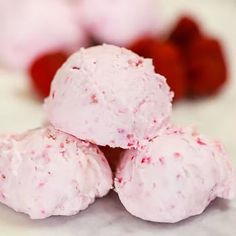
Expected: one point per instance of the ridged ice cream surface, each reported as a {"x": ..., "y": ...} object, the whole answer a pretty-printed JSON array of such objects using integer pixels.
[
  {"x": 45, "y": 172},
  {"x": 174, "y": 177},
  {"x": 109, "y": 96}
]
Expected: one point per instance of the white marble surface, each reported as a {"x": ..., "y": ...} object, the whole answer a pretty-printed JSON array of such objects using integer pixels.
[{"x": 214, "y": 116}]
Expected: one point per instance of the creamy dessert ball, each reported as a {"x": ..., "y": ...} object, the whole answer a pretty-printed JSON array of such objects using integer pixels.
[
  {"x": 174, "y": 177},
  {"x": 109, "y": 95},
  {"x": 46, "y": 172}
]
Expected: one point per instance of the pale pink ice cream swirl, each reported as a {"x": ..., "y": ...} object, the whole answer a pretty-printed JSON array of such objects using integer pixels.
[
  {"x": 109, "y": 96},
  {"x": 174, "y": 177},
  {"x": 46, "y": 172}
]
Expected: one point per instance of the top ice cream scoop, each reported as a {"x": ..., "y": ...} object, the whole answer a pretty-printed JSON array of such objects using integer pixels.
[{"x": 109, "y": 96}]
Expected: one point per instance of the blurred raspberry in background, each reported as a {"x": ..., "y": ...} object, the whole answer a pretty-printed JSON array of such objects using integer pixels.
[
  {"x": 204, "y": 58},
  {"x": 43, "y": 70},
  {"x": 207, "y": 71},
  {"x": 185, "y": 31}
]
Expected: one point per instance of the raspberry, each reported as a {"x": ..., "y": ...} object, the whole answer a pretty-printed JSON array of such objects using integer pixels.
[
  {"x": 185, "y": 32},
  {"x": 207, "y": 70},
  {"x": 43, "y": 69},
  {"x": 143, "y": 46},
  {"x": 204, "y": 58}
]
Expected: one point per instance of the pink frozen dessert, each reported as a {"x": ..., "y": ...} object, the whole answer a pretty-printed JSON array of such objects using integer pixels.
[
  {"x": 46, "y": 172},
  {"x": 119, "y": 22},
  {"x": 31, "y": 28},
  {"x": 174, "y": 177},
  {"x": 109, "y": 96}
]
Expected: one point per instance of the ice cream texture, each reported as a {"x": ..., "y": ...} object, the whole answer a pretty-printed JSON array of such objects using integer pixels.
[
  {"x": 109, "y": 95},
  {"x": 46, "y": 172},
  {"x": 174, "y": 177}
]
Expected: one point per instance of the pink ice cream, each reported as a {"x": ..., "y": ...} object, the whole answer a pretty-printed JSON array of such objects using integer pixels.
[
  {"x": 30, "y": 28},
  {"x": 46, "y": 172},
  {"x": 109, "y": 96},
  {"x": 176, "y": 176},
  {"x": 119, "y": 22}
]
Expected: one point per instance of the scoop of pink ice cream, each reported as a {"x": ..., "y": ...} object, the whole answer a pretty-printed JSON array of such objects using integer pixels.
[
  {"x": 119, "y": 22},
  {"x": 174, "y": 177},
  {"x": 109, "y": 96},
  {"x": 46, "y": 172},
  {"x": 30, "y": 28}
]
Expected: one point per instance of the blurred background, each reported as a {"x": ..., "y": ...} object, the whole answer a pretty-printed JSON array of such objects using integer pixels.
[{"x": 192, "y": 43}]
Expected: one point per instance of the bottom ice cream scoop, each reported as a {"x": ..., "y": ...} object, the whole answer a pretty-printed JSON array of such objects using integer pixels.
[
  {"x": 174, "y": 177},
  {"x": 46, "y": 172}
]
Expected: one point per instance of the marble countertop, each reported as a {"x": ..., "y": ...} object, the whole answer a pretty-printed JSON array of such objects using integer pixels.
[{"x": 19, "y": 110}]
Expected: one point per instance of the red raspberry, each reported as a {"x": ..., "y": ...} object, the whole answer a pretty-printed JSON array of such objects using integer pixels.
[
  {"x": 168, "y": 62},
  {"x": 143, "y": 46},
  {"x": 207, "y": 70},
  {"x": 43, "y": 69},
  {"x": 185, "y": 32},
  {"x": 204, "y": 58}
]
